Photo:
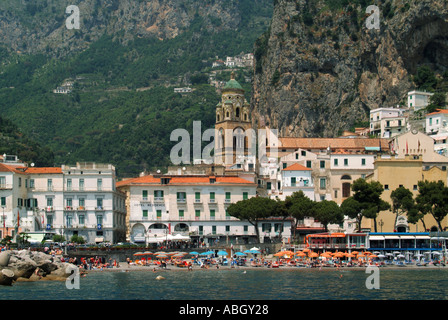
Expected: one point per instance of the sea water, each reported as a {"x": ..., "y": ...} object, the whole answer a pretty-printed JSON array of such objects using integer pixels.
[{"x": 241, "y": 284}]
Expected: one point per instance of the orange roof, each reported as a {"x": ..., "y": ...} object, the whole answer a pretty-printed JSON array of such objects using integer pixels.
[
  {"x": 439, "y": 111},
  {"x": 296, "y": 167},
  {"x": 6, "y": 168},
  {"x": 43, "y": 170},
  {"x": 333, "y": 143},
  {"x": 183, "y": 180}
]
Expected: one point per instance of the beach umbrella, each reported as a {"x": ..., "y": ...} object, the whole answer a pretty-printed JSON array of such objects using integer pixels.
[
  {"x": 194, "y": 253},
  {"x": 350, "y": 255},
  {"x": 306, "y": 250},
  {"x": 147, "y": 253},
  {"x": 381, "y": 256},
  {"x": 301, "y": 254},
  {"x": 138, "y": 254},
  {"x": 255, "y": 249},
  {"x": 240, "y": 254},
  {"x": 222, "y": 253},
  {"x": 160, "y": 252},
  {"x": 313, "y": 254}
]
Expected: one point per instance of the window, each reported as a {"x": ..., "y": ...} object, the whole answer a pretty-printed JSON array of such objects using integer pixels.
[
  {"x": 284, "y": 165},
  {"x": 181, "y": 197},
  {"x": 99, "y": 203},
  {"x": 31, "y": 183},
  {"x": 228, "y": 195},
  {"x": 201, "y": 230},
  {"x": 430, "y": 121},
  {"x": 81, "y": 184},
  {"x": 386, "y": 187},
  {"x": 50, "y": 185},
  {"x": 227, "y": 228},
  {"x": 345, "y": 162},
  {"x": 145, "y": 194},
  {"x": 20, "y": 182},
  {"x": 69, "y": 184},
  {"x": 82, "y": 202},
  {"x": 363, "y": 162},
  {"x": 335, "y": 193},
  {"x": 181, "y": 213},
  {"x": 159, "y": 214},
  {"x": 158, "y": 194},
  {"x": 82, "y": 219},
  {"x": 297, "y": 156},
  {"x": 197, "y": 197},
  {"x": 415, "y": 187},
  {"x": 293, "y": 181},
  {"x": 322, "y": 164},
  {"x": 246, "y": 228},
  {"x": 69, "y": 221},
  {"x": 69, "y": 202},
  {"x": 212, "y": 197},
  {"x": 49, "y": 202},
  {"x": 197, "y": 213},
  {"x": 3, "y": 201},
  {"x": 99, "y": 220},
  {"x": 266, "y": 227},
  {"x": 278, "y": 227},
  {"x": 99, "y": 184},
  {"x": 335, "y": 162},
  {"x": 2, "y": 182},
  {"x": 308, "y": 163},
  {"x": 212, "y": 214},
  {"x": 323, "y": 183},
  {"x": 303, "y": 152},
  {"x": 245, "y": 196},
  {"x": 213, "y": 229},
  {"x": 145, "y": 213},
  {"x": 269, "y": 185}
]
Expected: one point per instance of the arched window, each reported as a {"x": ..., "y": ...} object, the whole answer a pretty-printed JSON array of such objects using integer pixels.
[
  {"x": 237, "y": 112},
  {"x": 227, "y": 114},
  {"x": 238, "y": 140},
  {"x": 346, "y": 177},
  {"x": 217, "y": 118},
  {"x": 245, "y": 117}
]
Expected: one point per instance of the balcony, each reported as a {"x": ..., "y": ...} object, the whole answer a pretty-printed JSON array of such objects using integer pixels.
[
  {"x": 228, "y": 201},
  {"x": 49, "y": 209},
  {"x": 4, "y": 186},
  {"x": 158, "y": 199},
  {"x": 99, "y": 208},
  {"x": 182, "y": 200},
  {"x": 145, "y": 200},
  {"x": 68, "y": 208},
  {"x": 197, "y": 201},
  {"x": 213, "y": 201},
  {"x": 81, "y": 208}
]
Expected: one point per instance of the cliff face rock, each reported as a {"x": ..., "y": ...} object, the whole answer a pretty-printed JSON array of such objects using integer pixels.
[
  {"x": 40, "y": 27},
  {"x": 319, "y": 69}
]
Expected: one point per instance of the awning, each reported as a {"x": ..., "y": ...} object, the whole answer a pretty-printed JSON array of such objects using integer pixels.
[
  {"x": 422, "y": 237},
  {"x": 338, "y": 235},
  {"x": 35, "y": 237},
  {"x": 99, "y": 239},
  {"x": 440, "y": 138},
  {"x": 407, "y": 237},
  {"x": 392, "y": 237},
  {"x": 376, "y": 238}
]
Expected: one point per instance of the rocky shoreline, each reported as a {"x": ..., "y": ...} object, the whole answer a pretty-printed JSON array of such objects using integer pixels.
[{"x": 25, "y": 265}]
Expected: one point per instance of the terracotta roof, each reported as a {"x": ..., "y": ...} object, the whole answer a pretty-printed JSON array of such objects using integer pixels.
[
  {"x": 43, "y": 170},
  {"x": 333, "y": 143},
  {"x": 184, "y": 180},
  {"x": 296, "y": 167},
  {"x": 6, "y": 168},
  {"x": 439, "y": 111}
]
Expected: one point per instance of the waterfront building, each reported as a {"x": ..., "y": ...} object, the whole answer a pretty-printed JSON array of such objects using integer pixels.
[
  {"x": 68, "y": 200},
  {"x": 393, "y": 172},
  {"x": 193, "y": 207}
]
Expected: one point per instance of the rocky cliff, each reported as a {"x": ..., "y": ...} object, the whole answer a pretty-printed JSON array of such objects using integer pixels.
[
  {"x": 319, "y": 69},
  {"x": 40, "y": 26}
]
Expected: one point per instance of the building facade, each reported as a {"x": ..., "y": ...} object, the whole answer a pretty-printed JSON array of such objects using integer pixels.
[{"x": 193, "y": 208}]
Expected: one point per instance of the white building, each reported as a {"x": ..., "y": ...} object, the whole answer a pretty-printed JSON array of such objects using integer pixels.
[
  {"x": 387, "y": 122},
  {"x": 418, "y": 99},
  {"x": 79, "y": 200},
  {"x": 297, "y": 178},
  {"x": 437, "y": 128},
  {"x": 193, "y": 207}
]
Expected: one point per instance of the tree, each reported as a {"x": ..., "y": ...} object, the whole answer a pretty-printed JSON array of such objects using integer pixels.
[
  {"x": 436, "y": 101},
  {"x": 327, "y": 212},
  {"x": 368, "y": 201},
  {"x": 253, "y": 210},
  {"x": 402, "y": 202},
  {"x": 433, "y": 199},
  {"x": 298, "y": 207}
]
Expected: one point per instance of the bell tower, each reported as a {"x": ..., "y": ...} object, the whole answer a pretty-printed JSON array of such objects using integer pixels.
[{"x": 232, "y": 140}]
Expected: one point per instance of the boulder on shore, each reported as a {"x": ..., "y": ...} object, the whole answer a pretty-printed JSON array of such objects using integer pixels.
[{"x": 31, "y": 265}]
